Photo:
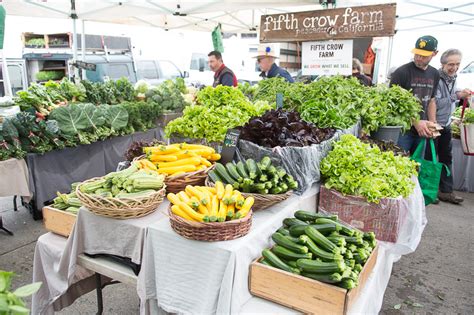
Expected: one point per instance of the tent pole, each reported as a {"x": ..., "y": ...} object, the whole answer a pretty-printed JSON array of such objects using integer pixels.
[
  {"x": 390, "y": 47},
  {"x": 83, "y": 46},
  {"x": 74, "y": 47}
]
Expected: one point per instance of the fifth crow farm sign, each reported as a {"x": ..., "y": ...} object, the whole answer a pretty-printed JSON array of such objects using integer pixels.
[{"x": 341, "y": 23}]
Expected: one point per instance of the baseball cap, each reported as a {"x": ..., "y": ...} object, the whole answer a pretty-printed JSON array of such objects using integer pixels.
[{"x": 425, "y": 46}]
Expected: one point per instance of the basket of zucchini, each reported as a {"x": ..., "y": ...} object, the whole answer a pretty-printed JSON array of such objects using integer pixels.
[
  {"x": 210, "y": 214},
  {"x": 263, "y": 181},
  {"x": 320, "y": 247},
  {"x": 126, "y": 194},
  {"x": 182, "y": 163}
]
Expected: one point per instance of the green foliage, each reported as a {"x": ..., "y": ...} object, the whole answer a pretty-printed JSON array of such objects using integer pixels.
[
  {"x": 217, "y": 110},
  {"x": 142, "y": 115},
  {"x": 11, "y": 303},
  {"x": 356, "y": 168},
  {"x": 168, "y": 95},
  {"x": 386, "y": 106},
  {"x": 49, "y": 75}
]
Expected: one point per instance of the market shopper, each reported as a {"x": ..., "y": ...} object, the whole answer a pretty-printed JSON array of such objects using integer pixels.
[
  {"x": 447, "y": 96},
  {"x": 422, "y": 79},
  {"x": 357, "y": 72},
  {"x": 222, "y": 74},
  {"x": 266, "y": 60}
]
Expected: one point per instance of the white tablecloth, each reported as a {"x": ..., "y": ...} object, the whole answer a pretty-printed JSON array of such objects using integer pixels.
[
  {"x": 15, "y": 180},
  {"x": 55, "y": 264},
  {"x": 186, "y": 276}
]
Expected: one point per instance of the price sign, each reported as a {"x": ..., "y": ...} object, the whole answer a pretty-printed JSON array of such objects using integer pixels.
[
  {"x": 230, "y": 144},
  {"x": 279, "y": 100}
]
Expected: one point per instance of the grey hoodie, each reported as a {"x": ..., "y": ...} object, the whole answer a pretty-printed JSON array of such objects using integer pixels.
[{"x": 446, "y": 98}]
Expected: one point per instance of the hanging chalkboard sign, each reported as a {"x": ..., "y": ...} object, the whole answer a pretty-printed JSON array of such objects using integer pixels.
[{"x": 279, "y": 100}]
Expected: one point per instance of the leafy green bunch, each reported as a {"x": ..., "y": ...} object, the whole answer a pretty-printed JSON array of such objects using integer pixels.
[
  {"x": 11, "y": 303},
  {"x": 168, "y": 95},
  {"x": 87, "y": 123},
  {"x": 333, "y": 102},
  {"x": 217, "y": 110},
  {"x": 361, "y": 169}
]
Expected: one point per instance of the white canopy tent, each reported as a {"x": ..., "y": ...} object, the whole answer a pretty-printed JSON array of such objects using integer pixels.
[{"x": 238, "y": 16}]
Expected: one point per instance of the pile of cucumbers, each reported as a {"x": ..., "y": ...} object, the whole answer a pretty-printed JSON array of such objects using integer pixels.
[
  {"x": 251, "y": 177},
  {"x": 320, "y": 247}
]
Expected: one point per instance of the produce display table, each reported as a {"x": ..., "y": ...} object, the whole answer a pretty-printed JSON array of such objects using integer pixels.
[
  {"x": 463, "y": 168},
  {"x": 56, "y": 260},
  {"x": 172, "y": 267},
  {"x": 57, "y": 170}
]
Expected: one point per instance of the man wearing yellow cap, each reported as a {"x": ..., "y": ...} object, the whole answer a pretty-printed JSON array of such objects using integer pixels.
[
  {"x": 266, "y": 60},
  {"x": 422, "y": 79}
]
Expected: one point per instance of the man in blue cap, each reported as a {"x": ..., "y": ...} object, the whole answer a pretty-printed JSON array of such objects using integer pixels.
[
  {"x": 422, "y": 79},
  {"x": 266, "y": 60}
]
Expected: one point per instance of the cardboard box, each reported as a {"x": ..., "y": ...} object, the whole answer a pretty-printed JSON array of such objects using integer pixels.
[
  {"x": 305, "y": 294},
  {"x": 58, "y": 221},
  {"x": 384, "y": 219}
]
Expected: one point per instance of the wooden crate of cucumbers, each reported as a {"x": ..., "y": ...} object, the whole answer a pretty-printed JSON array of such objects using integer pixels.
[{"x": 289, "y": 275}]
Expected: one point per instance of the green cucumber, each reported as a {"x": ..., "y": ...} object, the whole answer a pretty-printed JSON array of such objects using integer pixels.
[
  {"x": 318, "y": 252},
  {"x": 252, "y": 168},
  {"x": 313, "y": 266},
  {"x": 321, "y": 240},
  {"x": 282, "y": 240},
  {"x": 293, "y": 221},
  {"x": 232, "y": 171},
  {"x": 277, "y": 262},
  {"x": 327, "y": 278},
  {"x": 287, "y": 254},
  {"x": 222, "y": 173}
]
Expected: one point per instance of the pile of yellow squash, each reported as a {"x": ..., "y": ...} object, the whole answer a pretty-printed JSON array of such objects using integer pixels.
[
  {"x": 210, "y": 204},
  {"x": 181, "y": 158}
]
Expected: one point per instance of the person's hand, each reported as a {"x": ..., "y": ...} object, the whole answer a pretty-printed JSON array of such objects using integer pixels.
[
  {"x": 464, "y": 93},
  {"x": 422, "y": 127}
]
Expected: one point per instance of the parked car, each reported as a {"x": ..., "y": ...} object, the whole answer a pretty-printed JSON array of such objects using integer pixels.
[
  {"x": 111, "y": 67},
  {"x": 465, "y": 79},
  {"x": 156, "y": 71}
]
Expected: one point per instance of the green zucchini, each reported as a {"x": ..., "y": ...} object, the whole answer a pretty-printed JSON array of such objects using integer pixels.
[
  {"x": 297, "y": 230},
  {"x": 241, "y": 169},
  {"x": 281, "y": 172},
  {"x": 287, "y": 254},
  {"x": 277, "y": 262},
  {"x": 327, "y": 278},
  {"x": 347, "y": 272},
  {"x": 347, "y": 284},
  {"x": 285, "y": 242},
  {"x": 350, "y": 263},
  {"x": 256, "y": 187},
  {"x": 268, "y": 185},
  {"x": 318, "y": 252},
  {"x": 312, "y": 216},
  {"x": 284, "y": 187},
  {"x": 283, "y": 231},
  {"x": 353, "y": 240},
  {"x": 222, "y": 173},
  {"x": 263, "y": 178},
  {"x": 344, "y": 229},
  {"x": 325, "y": 229},
  {"x": 338, "y": 240},
  {"x": 265, "y": 163},
  {"x": 321, "y": 240},
  {"x": 265, "y": 262},
  {"x": 348, "y": 255},
  {"x": 252, "y": 168},
  {"x": 294, "y": 239},
  {"x": 276, "y": 190},
  {"x": 369, "y": 236},
  {"x": 291, "y": 263},
  {"x": 358, "y": 268},
  {"x": 293, "y": 221},
  {"x": 232, "y": 171},
  {"x": 313, "y": 266},
  {"x": 272, "y": 171}
]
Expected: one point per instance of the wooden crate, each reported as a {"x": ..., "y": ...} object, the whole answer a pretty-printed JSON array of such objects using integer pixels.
[
  {"x": 305, "y": 294},
  {"x": 58, "y": 221}
]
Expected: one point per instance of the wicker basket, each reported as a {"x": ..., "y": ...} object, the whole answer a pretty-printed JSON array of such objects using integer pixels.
[
  {"x": 120, "y": 208},
  {"x": 210, "y": 231},
  {"x": 261, "y": 201},
  {"x": 175, "y": 184}
]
